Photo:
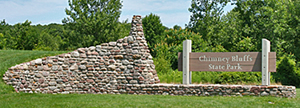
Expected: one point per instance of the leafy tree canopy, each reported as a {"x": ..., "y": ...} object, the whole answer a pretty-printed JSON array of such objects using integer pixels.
[{"x": 97, "y": 19}]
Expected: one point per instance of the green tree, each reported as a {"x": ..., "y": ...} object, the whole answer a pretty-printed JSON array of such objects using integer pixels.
[
  {"x": 244, "y": 45},
  {"x": 287, "y": 73},
  {"x": 52, "y": 29},
  {"x": 3, "y": 26},
  {"x": 206, "y": 19},
  {"x": 125, "y": 27},
  {"x": 176, "y": 27},
  {"x": 153, "y": 30},
  {"x": 47, "y": 42},
  {"x": 2, "y": 41},
  {"x": 264, "y": 19},
  {"x": 20, "y": 36},
  {"x": 94, "y": 18},
  {"x": 71, "y": 41},
  {"x": 231, "y": 31},
  {"x": 171, "y": 43},
  {"x": 293, "y": 32}
]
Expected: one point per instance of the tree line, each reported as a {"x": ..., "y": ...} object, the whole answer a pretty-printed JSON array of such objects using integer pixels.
[
  {"x": 51, "y": 37},
  {"x": 91, "y": 22}
]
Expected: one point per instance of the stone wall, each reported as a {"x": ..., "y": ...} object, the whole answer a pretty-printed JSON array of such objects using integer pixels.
[
  {"x": 89, "y": 70},
  {"x": 206, "y": 90},
  {"x": 121, "y": 67}
]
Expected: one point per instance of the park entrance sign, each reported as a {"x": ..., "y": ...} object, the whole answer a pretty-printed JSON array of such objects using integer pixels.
[
  {"x": 264, "y": 61},
  {"x": 227, "y": 61}
]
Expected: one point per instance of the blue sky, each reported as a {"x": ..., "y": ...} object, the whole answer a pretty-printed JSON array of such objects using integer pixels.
[{"x": 171, "y": 12}]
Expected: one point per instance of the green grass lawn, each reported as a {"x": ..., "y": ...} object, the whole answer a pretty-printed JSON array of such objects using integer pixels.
[
  {"x": 8, "y": 98},
  {"x": 22, "y": 100}
]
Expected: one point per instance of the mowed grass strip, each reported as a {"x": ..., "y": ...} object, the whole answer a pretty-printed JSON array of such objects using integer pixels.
[
  {"x": 23, "y": 100},
  {"x": 8, "y": 98}
]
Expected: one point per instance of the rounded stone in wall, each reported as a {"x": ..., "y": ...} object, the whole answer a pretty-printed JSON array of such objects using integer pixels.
[
  {"x": 92, "y": 48},
  {"x": 130, "y": 39},
  {"x": 75, "y": 54},
  {"x": 38, "y": 61}
]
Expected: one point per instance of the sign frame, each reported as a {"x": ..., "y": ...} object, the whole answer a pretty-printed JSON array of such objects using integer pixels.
[{"x": 264, "y": 61}]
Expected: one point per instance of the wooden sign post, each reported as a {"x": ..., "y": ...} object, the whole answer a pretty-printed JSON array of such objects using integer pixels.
[{"x": 264, "y": 61}]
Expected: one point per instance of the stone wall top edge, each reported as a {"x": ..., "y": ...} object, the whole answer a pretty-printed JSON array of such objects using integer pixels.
[{"x": 166, "y": 84}]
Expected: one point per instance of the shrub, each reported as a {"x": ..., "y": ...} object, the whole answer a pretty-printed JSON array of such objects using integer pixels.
[
  {"x": 287, "y": 72},
  {"x": 240, "y": 77},
  {"x": 169, "y": 46}
]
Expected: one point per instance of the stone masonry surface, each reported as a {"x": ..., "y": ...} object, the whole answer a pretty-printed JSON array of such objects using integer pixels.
[{"x": 121, "y": 67}]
